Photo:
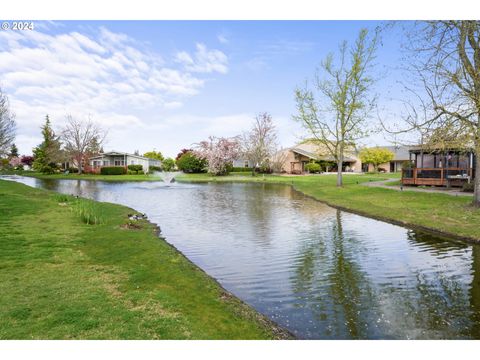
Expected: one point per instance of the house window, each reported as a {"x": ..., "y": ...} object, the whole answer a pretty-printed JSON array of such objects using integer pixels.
[
  {"x": 119, "y": 163},
  {"x": 132, "y": 162},
  {"x": 106, "y": 163},
  {"x": 245, "y": 164}
]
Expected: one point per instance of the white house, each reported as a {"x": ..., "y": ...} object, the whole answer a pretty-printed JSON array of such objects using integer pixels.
[
  {"x": 116, "y": 158},
  {"x": 243, "y": 163}
]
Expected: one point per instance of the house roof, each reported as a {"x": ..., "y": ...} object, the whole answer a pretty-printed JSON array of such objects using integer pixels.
[
  {"x": 401, "y": 153},
  {"x": 427, "y": 150},
  {"x": 314, "y": 151},
  {"x": 117, "y": 153},
  {"x": 305, "y": 153}
]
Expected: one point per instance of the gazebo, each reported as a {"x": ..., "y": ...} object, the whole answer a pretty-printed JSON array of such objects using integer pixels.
[{"x": 445, "y": 167}]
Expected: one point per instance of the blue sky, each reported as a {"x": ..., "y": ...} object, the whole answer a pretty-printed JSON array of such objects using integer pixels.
[{"x": 169, "y": 84}]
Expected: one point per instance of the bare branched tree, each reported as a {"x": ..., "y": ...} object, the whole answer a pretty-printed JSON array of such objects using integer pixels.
[
  {"x": 79, "y": 138},
  {"x": 336, "y": 117},
  {"x": 7, "y": 125},
  {"x": 446, "y": 60},
  {"x": 260, "y": 143},
  {"x": 278, "y": 160}
]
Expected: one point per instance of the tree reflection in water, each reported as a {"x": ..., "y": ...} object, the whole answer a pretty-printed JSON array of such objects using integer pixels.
[
  {"x": 329, "y": 274},
  {"x": 428, "y": 299}
]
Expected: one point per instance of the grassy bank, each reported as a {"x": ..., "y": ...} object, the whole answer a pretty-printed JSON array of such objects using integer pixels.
[
  {"x": 439, "y": 212},
  {"x": 139, "y": 177},
  {"x": 77, "y": 269}
]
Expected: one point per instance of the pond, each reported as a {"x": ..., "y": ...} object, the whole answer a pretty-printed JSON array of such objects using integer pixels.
[{"x": 317, "y": 271}]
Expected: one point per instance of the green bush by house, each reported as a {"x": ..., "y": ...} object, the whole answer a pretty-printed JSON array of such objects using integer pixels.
[
  {"x": 313, "y": 167},
  {"x": 241, "y": 169},
  {"x": 135, "y": 168},
  {"x": 155, "y": 168},
  {"x": 113, "y": 170}
]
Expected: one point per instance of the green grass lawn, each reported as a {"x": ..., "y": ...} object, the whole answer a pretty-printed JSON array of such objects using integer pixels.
[
  {"x": 440, "y": 212},
  {"x": 61, "y": 278},
  {"x": 139, "y": 177}
]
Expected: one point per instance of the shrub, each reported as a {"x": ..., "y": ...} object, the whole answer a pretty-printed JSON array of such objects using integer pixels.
[
  {"x": 189, "y": 163},
  {"x": 72, "y": 170},
  {"x": 4, "y": 164},
  {"x": 113, "y": 170},
  {"x": 155, "y": 168},
  {"x": 264, "y": 170},
  {"x": 47, "y": 169},
  {"x": 228, "y": 169},
  {"x": 468, "y": 187},
  {"x": 313, "y": 167},
  {"x": 241, "y": 169},
  {"x": 407, "y": 165},
  {"x": 135, "y": 168}
]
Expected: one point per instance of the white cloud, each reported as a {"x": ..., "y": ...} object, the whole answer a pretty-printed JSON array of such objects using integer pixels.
[
  {"x": 257, "y": 64},
  {"x": 109, "y": 76},
  {"x": 222, "y": 39},
  {"x": 204, "y": 60}
]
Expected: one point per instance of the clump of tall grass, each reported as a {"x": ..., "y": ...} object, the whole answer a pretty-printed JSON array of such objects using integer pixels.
[
  {"x": 62, "y": 198},
  {"x": 89, "y": 211}
]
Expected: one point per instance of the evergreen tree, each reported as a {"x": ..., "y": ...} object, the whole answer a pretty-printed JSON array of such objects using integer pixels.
[
  {"x": 48, "y": 153},
  {"x": 13, "y": 151},
  {"x": 94, "y": 147}
]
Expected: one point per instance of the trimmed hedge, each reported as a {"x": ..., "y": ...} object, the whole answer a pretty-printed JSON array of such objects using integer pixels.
[
  {"x": 113, "y": 170},
  {"x": 241, "y": 169},
  {"x": 135, "y": 168},
  {"x": 155, "y": 168}
]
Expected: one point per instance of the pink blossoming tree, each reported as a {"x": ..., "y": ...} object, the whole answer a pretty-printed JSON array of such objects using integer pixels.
[
  {"x": 15, "y": 161},
  {"x": 219, "y": 153}
]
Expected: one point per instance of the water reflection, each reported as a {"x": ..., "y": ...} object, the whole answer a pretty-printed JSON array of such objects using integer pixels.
[
  {"x": 329, "y": 276},
  {"x": 320, "y": 272}
]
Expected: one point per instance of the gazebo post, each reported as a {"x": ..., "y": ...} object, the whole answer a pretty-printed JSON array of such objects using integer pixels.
[{"x": 446, "y": 169}]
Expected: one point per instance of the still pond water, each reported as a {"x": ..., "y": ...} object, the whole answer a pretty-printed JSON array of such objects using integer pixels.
[{"x": 320, "y": 272}]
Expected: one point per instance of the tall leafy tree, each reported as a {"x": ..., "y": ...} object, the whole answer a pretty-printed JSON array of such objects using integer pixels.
[
  {"x": 48, "y": 153},
  {"x": 188, "y": 162},
  {"x": 336, "y": 111},
  {"x": 157, "y": 155},
  {"x": 183, "y": 152},
  {"x": 7, "y": 125},
  {"x": 168, "y": 164},
  {"x": 376, "y": 156}
]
